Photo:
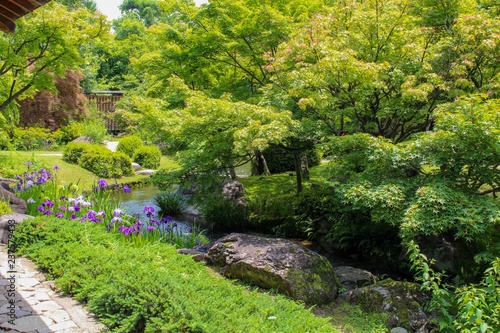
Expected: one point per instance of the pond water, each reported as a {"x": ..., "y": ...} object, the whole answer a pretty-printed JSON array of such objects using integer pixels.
[{"x": 139, "y": 197}]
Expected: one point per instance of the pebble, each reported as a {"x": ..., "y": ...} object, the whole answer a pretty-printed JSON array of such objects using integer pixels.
[{"x": 37, "y": 308}]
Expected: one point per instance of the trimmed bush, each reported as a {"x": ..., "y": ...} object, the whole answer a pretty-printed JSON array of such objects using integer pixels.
[
  {"x": 152, "y": 288},
  {"x": 98, "y": 159},
  {"x": 148, "y": 157},
  {"x": 74, "y": 150},
  {"x": 128, "y": 145},
  {"x": 107, "y": 164}
]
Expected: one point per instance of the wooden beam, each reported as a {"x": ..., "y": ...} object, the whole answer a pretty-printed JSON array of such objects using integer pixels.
[
  {"x": 11, "y": 10},
  {"x": 7, "y": 25}
]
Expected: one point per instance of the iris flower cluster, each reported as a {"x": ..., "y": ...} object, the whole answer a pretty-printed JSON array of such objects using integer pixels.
[{"x": 34, "y": 178}]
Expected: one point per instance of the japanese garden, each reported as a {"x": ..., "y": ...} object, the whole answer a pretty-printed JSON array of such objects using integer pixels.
[{"x": 258, "y": 166}]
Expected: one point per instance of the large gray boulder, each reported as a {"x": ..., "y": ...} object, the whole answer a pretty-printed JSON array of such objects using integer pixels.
[
  {"x": 232, "y": 189},
  {"x": 402, "y": 301},
  {"x": 17, "y": 204},
  {"x": 275, "y": 263},
  {"x": 8, "y": 224}
]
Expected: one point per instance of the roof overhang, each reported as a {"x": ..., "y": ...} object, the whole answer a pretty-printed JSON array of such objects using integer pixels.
[{"x": 11, "y": 10}]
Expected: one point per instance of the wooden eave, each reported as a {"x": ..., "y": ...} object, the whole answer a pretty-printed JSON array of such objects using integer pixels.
[{"x": 11, "y": 10}]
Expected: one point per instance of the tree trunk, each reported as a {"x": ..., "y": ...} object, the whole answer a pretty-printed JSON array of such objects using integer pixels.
[
  {"x": 232, "y": 172},
  {"x": 298, "y": 171},
  {"x": 259, "y": 165},
  {"x": 304, "y": 165}
]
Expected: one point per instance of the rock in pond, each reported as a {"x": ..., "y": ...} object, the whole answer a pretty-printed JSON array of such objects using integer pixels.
[
  {"x": 273, "y": 263},
  {"x": 351, "y": 277},
  {"x": 402, "y": 301}
]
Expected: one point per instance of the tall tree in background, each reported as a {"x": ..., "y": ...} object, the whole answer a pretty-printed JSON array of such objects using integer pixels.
[{"x": 46, "y": 43}]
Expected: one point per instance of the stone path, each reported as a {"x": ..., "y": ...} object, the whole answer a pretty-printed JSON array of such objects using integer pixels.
[{"x": 37, "y": 307}]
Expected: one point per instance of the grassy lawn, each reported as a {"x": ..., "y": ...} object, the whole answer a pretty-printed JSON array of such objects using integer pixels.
[{"x": 68, "y": 173}]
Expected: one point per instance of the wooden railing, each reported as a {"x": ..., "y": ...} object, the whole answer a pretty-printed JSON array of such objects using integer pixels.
[{"x": 105, "y": 101}]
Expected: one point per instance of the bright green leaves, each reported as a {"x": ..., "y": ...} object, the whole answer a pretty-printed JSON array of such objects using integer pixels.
[
  {"x": 439, "y": 208},
  {"x": 46, "y": 43},
  {"x": 363, "y": 67},
  {"x": 438, "y": 182},
  {"x": 479, "y": 305},
  {"x": 221, "y": 134},
  {"x": 466, "y": 145}
]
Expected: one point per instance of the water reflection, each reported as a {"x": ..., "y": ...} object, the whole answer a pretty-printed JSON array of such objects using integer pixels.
[{"x": 135, "y": 201}]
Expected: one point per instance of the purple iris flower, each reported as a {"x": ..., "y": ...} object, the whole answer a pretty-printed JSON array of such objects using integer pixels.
[
  {"x": 126, "y": 189},
  {"x": 48, "y": 203},
  {"x": 151, "y": 228},
  {"x": 149, "y": 210},
  {"x": 102, "y": 183},
  {"x": 60, "y": 215},
  {"x": 167, "y": 219}
]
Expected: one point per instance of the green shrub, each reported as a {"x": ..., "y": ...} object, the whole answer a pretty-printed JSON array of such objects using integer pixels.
[
  {"x": 106, "y": 164},
  {"x": 74, "y": 150},
  {"x": 148, "y": 157},
  {"x": 4, "y": 208},
  {"x": 223, "y": 214},
  {"x": 267, "y": 212},
  {"x": 129, "y": 144},
  {"x": 70, "y": 132},
  {"x": 171, "y": 204},
  {"x": 33, "y": 138},
  {"x": 153, "y": 288}
]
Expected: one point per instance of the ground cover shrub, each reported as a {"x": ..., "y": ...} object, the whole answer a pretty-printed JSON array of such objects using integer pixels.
[
  {"x": 147, "y": 156},
  {"x": 128, "y": 145},
  {"x": 152, "y": 288}
]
